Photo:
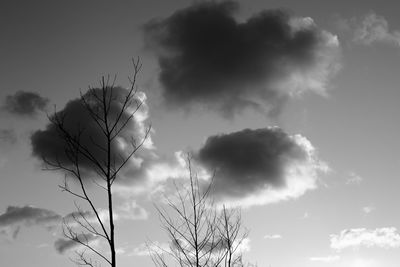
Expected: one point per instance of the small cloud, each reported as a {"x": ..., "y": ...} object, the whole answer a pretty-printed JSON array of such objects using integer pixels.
[
  {"x": 132, "y": 211},
  {"x": 306, "y": 215},
  {"x": 354, "y": 179},
  {"x": 361, "y": 237},
  {"x": 24, "y": 103},
  {"x": 148, "y": 249},
  {"x": 368, "y": 209},
  {"x": 120, "y": 251},
  {"x": 43, "y": 245},
  {"x": 73, "y": 218},
  {"x": 276, "y": 236},
  {"x": 77, "y": 215},
  {"x": 8, "y": 136},
  {"x": 326, "y": 259},
  {"x": 15, "y": 217},
  {"x": 142, "y": 250},
  {"x": 244, "y": 246},
  {"x": 62, "y": 245},
  {"x": 375, "y": 29}
]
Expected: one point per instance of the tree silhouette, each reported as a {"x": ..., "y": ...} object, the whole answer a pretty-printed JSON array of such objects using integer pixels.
[
  {"x": 200, "y": 234},
  {"x": 111, "y": 113}
]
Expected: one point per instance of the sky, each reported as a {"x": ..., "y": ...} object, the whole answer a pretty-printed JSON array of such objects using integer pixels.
[{"x": 293, "y": 104}]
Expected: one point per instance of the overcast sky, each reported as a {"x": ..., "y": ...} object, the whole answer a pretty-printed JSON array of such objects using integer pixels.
[{"x": 295, "y": 103}]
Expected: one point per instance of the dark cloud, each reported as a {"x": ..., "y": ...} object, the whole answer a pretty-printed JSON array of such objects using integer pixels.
[
  {"x": 25, "y": 103},
  {"x": 49, "y": 144},
  {"x": 249, "y": 159},
  {"x": 15, "y": 217},
  {"x": 8, "y": 136},
  {"x": 62, "y": 245},
  {"x": 207, "y": 57},
  {"x": 260, "y": 166}
]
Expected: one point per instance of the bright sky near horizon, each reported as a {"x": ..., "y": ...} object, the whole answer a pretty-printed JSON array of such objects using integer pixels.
[{"x": 307, "y": 90}]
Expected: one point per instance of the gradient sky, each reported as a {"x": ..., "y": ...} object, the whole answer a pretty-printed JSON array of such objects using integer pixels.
[{"x": 349, "y": 219}]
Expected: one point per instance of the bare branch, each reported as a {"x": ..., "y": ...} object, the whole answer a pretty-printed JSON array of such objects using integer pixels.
[
  {"x": 72, "y": 235},
  {"x": 200, "y": 235},
  {"x": 111, "y": 114}
]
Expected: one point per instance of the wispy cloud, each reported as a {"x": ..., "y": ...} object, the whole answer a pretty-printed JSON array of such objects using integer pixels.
[
  {"x": 132, "y": 211},
  {"x": 72, "y": 219},
  {"x": 306, "y": 215},
  {"x": 363, "y": 262},
  {"x": 275, "y": 236},
  {"x": 375, "y": 29},
  {"x": 354, "y": 179},
  {"x": 148, "y": 249},
  {"x": 368, "y": 30},
  {"x": 244, "y": 245},
  {"x": 43, "y": 245},
  {"x": 368, "y": 209},
  {"x": 361, "y": 237},
  {"x": 326, "y": 259}
]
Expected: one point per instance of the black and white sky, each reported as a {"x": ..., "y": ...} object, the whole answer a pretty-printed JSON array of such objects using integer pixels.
[{"x": 291, "y": 105}]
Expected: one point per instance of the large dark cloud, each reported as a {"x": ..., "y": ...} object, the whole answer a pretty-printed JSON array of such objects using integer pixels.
[
  {"x": 49, "y": 144},
  {"x": 207, "y": 57},
  {"x": 25, "y": 103},
  {"x": 259, "y": 166}
]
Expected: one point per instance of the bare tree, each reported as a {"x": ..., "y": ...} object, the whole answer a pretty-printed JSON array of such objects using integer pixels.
[
  {"x": 200, "y": 234},
  {"x": 111, "y": 114},
  {"x": 232, "y": 236}
]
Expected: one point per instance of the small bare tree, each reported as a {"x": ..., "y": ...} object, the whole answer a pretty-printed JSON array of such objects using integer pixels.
[
  {"x": 200, "y": 234},
  {"x": 229, "y": 228},
  {"x": 111, "y": 113}
]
